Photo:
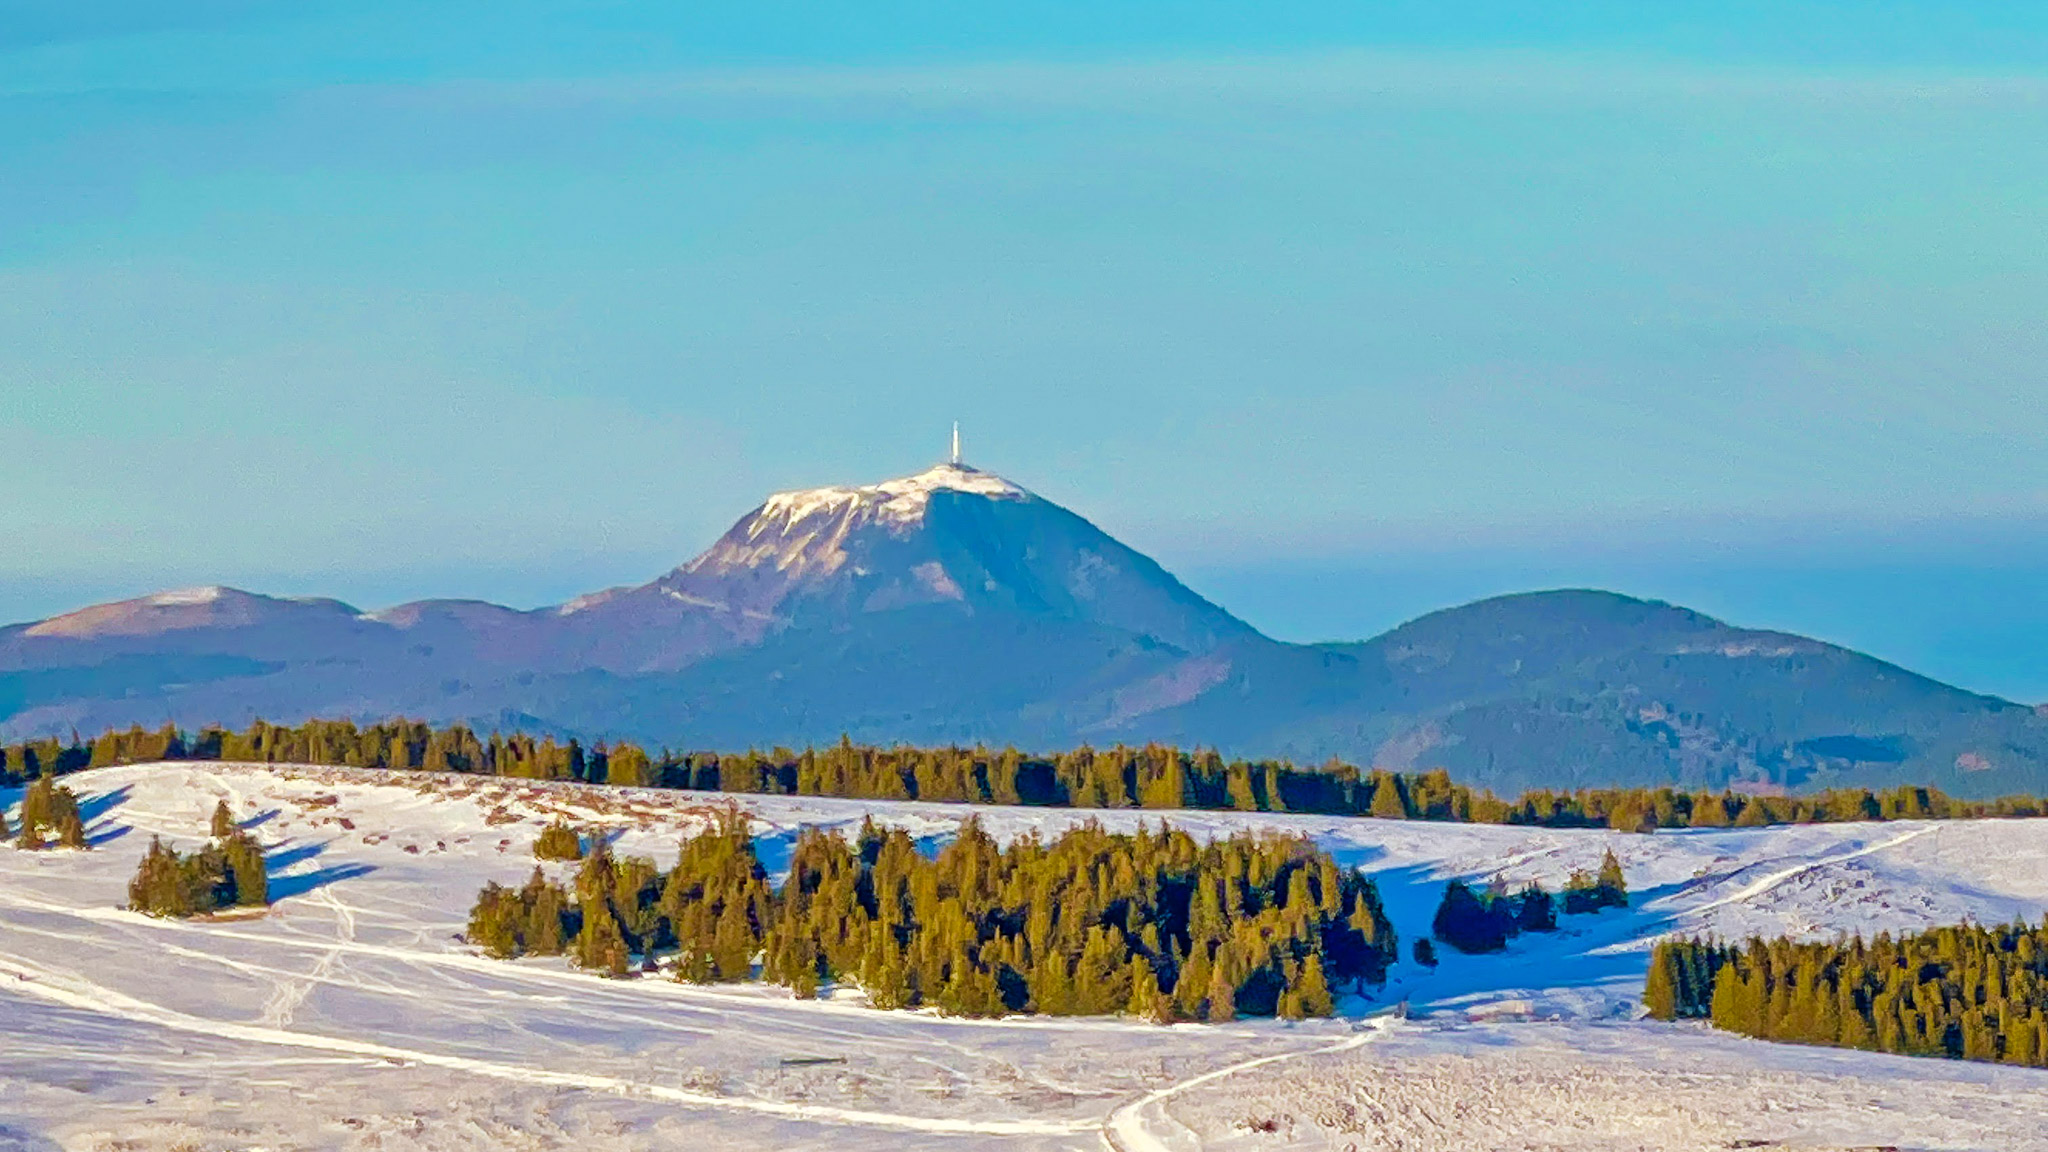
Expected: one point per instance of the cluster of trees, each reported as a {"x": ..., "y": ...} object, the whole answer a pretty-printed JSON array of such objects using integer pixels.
[
  {"x": 227, "y": 872},
  {"x": 1154, "y": 923},
  {"x": 1153, "y": 776},
  {"x": 1485, "y": 920},
  {"x": 1965, "y": 992},
  {"x": 49, "y": 815}
]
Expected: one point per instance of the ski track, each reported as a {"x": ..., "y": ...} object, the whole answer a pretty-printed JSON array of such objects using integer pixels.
[
  {"x": 1759, "y": 887},
  {"x": 288, "y": 994},
  {"x": 1145, "y": 1125},
  {"x": 72, "y": 991}
]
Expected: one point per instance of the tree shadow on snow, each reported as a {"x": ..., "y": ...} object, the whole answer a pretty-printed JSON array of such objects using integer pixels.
[
  {"x": 298, "y": 884},
  {"x": 259, "y": 820},
  {"x": 91, "y": 808},
  {"x": 283, "y": 887},
  {"x": 92, "y": 811}
]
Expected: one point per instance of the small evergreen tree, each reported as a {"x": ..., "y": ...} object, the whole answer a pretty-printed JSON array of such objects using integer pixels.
[
  {"x": 1660, "y": 990},
  {"x": 1610, "y": 885},
  {"x": 244, "y": 873},
  {"x": 558, "y": 841},
  {"x": 223, "y": 823},
  {"x": 1535, "y": 910}
]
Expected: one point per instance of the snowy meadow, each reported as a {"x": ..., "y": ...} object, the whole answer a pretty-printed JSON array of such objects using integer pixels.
[{"x": 353, "y": 1015}]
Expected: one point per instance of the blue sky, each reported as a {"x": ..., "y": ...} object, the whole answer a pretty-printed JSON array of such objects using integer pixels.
[{"x": 1344, "y": 312}]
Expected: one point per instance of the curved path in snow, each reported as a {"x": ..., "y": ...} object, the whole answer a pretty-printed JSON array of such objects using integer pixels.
[
  {"x": 1760, "y": 886},
  {"x": 1144, "y": 1125}
]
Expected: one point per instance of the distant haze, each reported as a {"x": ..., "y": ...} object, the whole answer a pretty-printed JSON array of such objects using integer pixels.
[{"x": 1343, "y": 313}]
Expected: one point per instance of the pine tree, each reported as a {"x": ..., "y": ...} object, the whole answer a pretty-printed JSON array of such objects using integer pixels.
[
  {"x": 1147, "y": 1002},
  {"x": 35, "y": 814},
  {"x": 1660, "y": 991},
  {"x": 558, "y": 841},
  {"x": 1610, "y": 885},
  {"x": 245, "y": 874},
  {"x": 1313, "y": 988},
  {"x": 1222, "y": 996},
  {"x": 600, "y": 946},
  {"x": 223, "y": 823}
]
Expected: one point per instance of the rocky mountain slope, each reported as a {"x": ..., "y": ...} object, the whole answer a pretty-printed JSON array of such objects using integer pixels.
[{"x": 955, "y": 605}]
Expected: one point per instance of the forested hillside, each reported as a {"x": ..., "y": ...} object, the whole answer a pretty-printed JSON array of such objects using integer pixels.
[{"x": 1151, "y": 777}]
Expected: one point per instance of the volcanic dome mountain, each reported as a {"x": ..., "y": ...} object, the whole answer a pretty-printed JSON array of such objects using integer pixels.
[{"x": 955, "y": 605}]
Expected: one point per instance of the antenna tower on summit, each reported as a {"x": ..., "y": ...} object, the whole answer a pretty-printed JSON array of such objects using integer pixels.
[{"x": 956, "y": 443}]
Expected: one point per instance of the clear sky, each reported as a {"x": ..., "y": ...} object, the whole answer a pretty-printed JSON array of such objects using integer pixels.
[{"x": 1343, "y": 311}]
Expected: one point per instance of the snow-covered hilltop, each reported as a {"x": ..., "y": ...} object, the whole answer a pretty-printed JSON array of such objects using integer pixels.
[{"x": 900, "y": 503}]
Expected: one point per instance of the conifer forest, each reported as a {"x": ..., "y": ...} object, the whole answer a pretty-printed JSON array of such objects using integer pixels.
[
  {"x": 1968, "y": 991},
  {"x": 1153, "y": 924},
  {"x": 1153, "y": 777}
]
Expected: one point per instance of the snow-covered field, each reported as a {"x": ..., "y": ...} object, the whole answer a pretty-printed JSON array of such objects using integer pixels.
[{"x": 351, "y": 1016}]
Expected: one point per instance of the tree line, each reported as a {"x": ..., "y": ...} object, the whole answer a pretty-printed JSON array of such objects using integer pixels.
[
  {"x": 1153, "y": 924},
  {"x": 1152, "y": 776},
  {"x": 1967, "y": 992}
]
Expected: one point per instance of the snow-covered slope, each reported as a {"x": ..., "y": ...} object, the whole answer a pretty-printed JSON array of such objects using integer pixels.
[{"x": 351, "y": 1015}]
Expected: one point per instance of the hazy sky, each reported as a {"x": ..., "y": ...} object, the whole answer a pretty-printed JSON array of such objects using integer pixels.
[{"x": 1343, "y": 316}]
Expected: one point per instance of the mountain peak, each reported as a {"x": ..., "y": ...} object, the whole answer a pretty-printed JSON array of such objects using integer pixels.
[
  {"x": 182, "y": 609},
  {"x": 898, "y": 503}
]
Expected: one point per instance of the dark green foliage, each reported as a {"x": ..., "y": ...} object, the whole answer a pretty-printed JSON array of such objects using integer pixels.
[
  {"x": 1472, "y": 922},
  {"x": 537, "y": 919},
  {"x": 245, "y": 879},
  {"x": 49, "y": 816},
  {"x": 1425, "y": 953},
  {"x": 1965, "y": 992},
  {"x": 558, "y": 841},
  {"x": 1607, "y": 889},
  {"x": 1155, "y": 923},
  {"x": 1485, "y": 921},
  {"x": 1535, "y": 909},
  {"x": 1153, "y": 776},
  {"x": 225, "y": 874}
]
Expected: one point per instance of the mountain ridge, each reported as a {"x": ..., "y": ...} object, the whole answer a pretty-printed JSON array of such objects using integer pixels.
[{"x": 956, "y": 605}]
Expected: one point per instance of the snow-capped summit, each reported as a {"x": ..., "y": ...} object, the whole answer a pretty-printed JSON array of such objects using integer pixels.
[
  {"x": 951, "y": 538},
  {"x": 898, "y": 503}
]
